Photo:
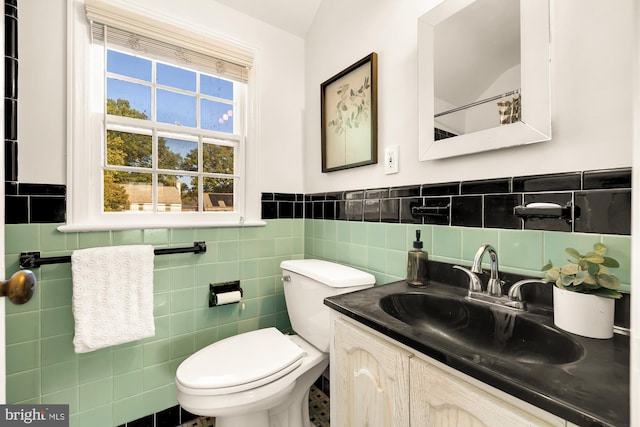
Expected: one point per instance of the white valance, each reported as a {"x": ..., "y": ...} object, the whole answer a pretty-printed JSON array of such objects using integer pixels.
[{"x": 138, "y": 33}]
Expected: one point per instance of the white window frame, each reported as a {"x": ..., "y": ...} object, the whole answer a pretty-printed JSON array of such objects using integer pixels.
[{"x": 84, "y": 160}]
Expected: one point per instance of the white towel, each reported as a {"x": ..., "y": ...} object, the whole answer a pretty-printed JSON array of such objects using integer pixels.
[{"x": 112, "y": 296}]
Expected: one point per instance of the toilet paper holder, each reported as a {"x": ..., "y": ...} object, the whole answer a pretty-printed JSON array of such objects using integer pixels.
[{"x": 225, "y": 293}]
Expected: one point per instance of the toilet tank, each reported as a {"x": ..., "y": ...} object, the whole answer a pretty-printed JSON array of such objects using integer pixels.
[{"x": 307, "y": 282}]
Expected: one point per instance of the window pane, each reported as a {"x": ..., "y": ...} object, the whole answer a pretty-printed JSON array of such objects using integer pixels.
[
  {"x": 128, "y": 149},
  {"x": 214, "y": 86},
  {"x": 176, "y": 108},
  {"x": 216, "y": 116},
  {"x": 176, "y": 77},
  {"x": 177, "y": 154},
  {"x": 218, "y": 194},
  {"x": 177, "y": 193},
  {"x": 217, "y": 159},
  {"x": 127, "y": 192},
  {"x": 128, "y": 65},
  {"x": 128, "y": 99}
]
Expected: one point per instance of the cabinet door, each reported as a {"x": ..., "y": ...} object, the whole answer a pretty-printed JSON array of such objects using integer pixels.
[
  {"x": 370, "y": 383},
  {"x": 440, "y": 399}
]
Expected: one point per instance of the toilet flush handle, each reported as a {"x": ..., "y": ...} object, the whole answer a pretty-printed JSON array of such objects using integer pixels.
[{"x": 286, "y": 279}]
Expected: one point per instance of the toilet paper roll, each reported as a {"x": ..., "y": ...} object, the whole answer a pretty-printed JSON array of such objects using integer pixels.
[{"x": 227, "y": 297}]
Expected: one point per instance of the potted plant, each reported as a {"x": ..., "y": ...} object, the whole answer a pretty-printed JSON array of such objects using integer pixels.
[{"x": 584, "y": 293}]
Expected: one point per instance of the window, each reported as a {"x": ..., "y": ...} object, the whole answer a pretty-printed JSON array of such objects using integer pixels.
[
  {"x": 159, "y": 129},
  {"x": 172, "y": 137}
]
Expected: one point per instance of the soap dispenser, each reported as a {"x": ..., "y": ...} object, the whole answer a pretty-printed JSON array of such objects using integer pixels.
[{"x": 417, "y": 264}]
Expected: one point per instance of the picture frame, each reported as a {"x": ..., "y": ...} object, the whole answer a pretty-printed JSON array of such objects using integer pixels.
[{"x": 349, "y": 116}]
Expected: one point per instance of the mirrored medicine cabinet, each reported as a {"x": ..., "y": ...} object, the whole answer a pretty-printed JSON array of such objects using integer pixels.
[{"x": 483, "y": 76}]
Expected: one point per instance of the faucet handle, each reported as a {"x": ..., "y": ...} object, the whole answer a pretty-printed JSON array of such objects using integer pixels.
[
  {"x": 474, "y": 282},
  {"x": 514, "y": 291}
]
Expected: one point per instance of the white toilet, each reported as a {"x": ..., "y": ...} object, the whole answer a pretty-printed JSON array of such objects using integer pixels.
[{"x": 262, "y": 378}]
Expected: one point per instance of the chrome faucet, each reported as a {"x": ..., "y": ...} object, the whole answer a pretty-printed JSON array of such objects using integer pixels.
[
  {"x": 515, "y": 296},
  {"x": 494, "y": 286},
  {"x": 493, "y": 294}
]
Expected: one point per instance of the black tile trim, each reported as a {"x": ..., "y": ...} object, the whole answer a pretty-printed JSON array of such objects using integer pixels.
[
  {"x": 445, "y": 189},
  {"x": 486, "y": 186},
  {"x": 606, "y": 179},
  {"x": 35, "y": 203},
  {"x": 479, "y": 203},
  {"x": 42, "y": 189},
  {"x": 551, "y": 182}
]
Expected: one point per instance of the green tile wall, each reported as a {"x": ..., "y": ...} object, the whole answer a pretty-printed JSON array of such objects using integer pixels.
[
  {"x": 111, "y": 386},
  {"x": 381, "y": 248}
]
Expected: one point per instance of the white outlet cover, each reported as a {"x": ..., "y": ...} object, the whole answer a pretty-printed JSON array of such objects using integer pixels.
[{"x": 391, "y": 159}]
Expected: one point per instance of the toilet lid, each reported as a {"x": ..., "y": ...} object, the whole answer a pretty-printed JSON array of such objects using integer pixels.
[{"x": 241, "y": 359}]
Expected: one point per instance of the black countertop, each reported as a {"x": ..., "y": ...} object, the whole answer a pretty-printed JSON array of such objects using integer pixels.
[{"x": 592, "y": 391}]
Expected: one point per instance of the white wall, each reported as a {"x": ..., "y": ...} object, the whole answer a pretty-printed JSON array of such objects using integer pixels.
[
  {"x": 42, "y": 85},
  {"x": 591, "y": 77},
  {"x": 591, "y": 74},
  {"x": 42, "y": 91}
]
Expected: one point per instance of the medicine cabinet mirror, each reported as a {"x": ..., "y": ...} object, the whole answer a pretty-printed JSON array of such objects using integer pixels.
[{"x": 483, "y": 76}]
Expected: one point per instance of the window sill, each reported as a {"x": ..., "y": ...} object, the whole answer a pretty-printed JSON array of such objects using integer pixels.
[{"x": 78, "y": 228}]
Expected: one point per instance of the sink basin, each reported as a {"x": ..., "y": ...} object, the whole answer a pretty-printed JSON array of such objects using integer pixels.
[{"x": 482, "y": 329}]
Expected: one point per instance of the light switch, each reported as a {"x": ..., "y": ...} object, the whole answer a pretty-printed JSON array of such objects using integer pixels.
[{"x": 391, "y": 159}]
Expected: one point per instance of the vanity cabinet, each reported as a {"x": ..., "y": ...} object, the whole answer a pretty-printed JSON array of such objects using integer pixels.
[
  {"x": 371, "y": 386},
  {"x": 378, "y": 382},
  {"x": 440, "y": 398}
]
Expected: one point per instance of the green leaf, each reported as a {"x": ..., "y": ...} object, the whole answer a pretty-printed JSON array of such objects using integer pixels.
[
  {"x": 570, "y": 269},
  {"x": 610, "y": 262},
  {"x": 592, "y": 268},
  {"x": 594, "y": 257},
  {"x": 575, "y": 254},
  {"x": 553, "y": 274},
  {"x": 608, "y": 281},
  {"x": 599, "y": 248},
  {"x": 606, "y": 293},
  {"x": 547, "y": 266},
  {"x": 567, "y": 280},
  {"x": 581, "y": 276},
  {"x": 590, "y": 285}
]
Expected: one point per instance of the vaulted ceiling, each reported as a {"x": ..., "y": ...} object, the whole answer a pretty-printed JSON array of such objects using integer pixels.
[{"x": 293, "y": 16}]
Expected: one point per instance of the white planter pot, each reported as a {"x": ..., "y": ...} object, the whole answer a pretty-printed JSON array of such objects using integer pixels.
[{"x": 583, "y": 314}]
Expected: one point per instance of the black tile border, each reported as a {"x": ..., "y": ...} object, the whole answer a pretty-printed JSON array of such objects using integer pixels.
[
  {"x": 478, "y": 203},
  {"x": 35, "y": 203},
  {"x": 169, "y": 417}
]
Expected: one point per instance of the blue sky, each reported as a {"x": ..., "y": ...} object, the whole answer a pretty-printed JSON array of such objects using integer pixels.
[{"x": 173, "y": 107}]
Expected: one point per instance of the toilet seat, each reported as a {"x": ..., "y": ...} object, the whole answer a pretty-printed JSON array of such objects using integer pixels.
[{"x": 240, "y": 363}]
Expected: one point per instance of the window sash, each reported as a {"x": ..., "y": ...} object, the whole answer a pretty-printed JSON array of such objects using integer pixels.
[{"x": 159, "y": 129}]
